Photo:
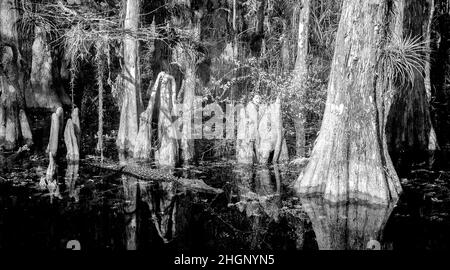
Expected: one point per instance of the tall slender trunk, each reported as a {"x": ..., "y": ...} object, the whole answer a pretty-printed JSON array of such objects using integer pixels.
[
  {"x": 132, "y": 100},
  {"x": 350, "y": 160},
  {"x": 187, "y": 57},
  {"x": 433, "y": 144},
  {"x": 301, "y": 72},
  {"x": 100, "y": 47}
]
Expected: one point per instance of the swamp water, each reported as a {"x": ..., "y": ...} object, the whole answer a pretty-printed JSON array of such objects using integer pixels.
[{"x": 256, "y": 211}]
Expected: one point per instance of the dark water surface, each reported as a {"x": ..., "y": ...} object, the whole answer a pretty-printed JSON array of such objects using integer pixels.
[{"x": 256, "y": 211}]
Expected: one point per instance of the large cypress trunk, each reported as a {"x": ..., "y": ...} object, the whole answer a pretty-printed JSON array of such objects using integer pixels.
[
  {"x": 14, "y": 127},
  {"x": 132, "y": 100},
  {"x": 350, "y": 160}
]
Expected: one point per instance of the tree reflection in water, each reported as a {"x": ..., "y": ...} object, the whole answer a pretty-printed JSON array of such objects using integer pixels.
[
  {"x": 154, "y": 204},
  {"x": 71, "y": 179},
  {"x": 258, "y": 195},
  {"x": 345, "y": 226}
]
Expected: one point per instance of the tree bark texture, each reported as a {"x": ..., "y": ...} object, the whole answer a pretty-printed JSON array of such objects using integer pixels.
[
  {"x": 300, "y": 73},
  {"x": 14, "y": 125},
  {"x": 350, "y": 160},
  {"x": 167, "y": 154},
  {"x": 132, "y": 100},
  {"x": 70, "y": 139},
  {"x": 53, "y": 144},
  {"x": 143, "y": 148},
  {"x": 247, "y": 133},
  {"x": 40, "y": 92}
]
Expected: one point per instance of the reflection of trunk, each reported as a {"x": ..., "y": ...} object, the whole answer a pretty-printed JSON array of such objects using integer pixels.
[
  {"x": 258, "y": 192},
  {"x": 130, "y": 187},
  {"x": 259, "y": 199},
  {"x": 350, "y": 158},
  {"x": 71, "y": 179},
  {"x": 346, "y": 226},
  {"x": 301, "y": 73},
  {"x": 168, "y": 214},
  {"x": 13, "y": 121},
  {"x": 132, "y": 101},
  {"x": 41, "y": 93}
]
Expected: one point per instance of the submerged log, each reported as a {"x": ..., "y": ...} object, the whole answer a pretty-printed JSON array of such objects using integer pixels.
[
  {"x": 73, "y": 154},
  {"x": 149, "y": 174}
]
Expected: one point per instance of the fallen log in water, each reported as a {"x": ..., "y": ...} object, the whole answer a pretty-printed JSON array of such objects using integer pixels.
[{"x": 149, "y": 174}]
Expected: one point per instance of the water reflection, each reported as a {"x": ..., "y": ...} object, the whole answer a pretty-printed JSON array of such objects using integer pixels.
[
  {"x": 130, "y": 191},
  {"x": 255, "y": 212},
  {"x": 258, "y": 191},
  {"x": 348, "y": 226},
  {"x": 155, "y": 209},
  {"x": 70, "y": 181}
]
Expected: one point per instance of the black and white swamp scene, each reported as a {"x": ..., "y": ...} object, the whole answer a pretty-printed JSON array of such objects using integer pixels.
[{"x": 225, "y": 126}]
